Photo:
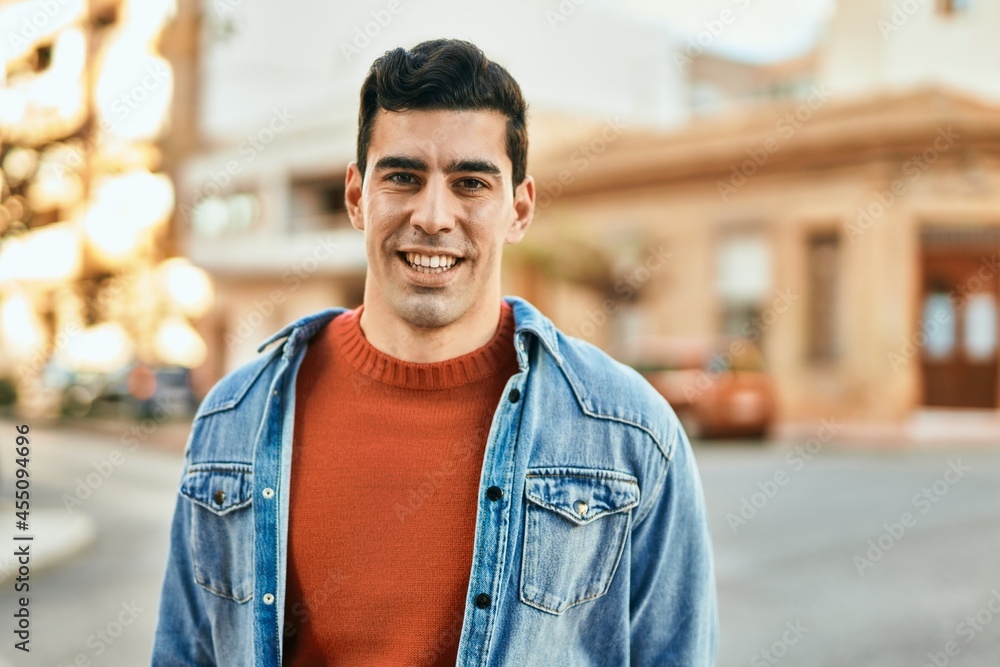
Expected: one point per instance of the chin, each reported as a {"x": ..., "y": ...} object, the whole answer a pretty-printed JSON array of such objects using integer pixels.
[{"x": 428, "y": 311}]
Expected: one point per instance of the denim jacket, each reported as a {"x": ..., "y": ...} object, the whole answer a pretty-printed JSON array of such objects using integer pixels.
[{"x": 597, "y": 552}]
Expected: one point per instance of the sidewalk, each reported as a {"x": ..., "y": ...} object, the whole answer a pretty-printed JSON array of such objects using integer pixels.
[
  {"x": 169, "y": 435},
  {"x": 56, "y": 536},
  {"x": 925, "y": 428}
]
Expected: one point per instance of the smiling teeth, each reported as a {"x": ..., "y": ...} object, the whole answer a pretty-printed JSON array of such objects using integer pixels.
[{"x": 430, "y": 263}]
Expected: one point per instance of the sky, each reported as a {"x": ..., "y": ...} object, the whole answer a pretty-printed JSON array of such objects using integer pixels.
[{"x": 757, "y": 30}]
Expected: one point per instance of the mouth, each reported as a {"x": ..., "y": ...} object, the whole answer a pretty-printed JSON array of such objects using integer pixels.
[{"x": 430, "y": 264}]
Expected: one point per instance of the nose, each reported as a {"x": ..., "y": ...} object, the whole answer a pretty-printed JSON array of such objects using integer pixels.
[{"x": 432, "y": 210}]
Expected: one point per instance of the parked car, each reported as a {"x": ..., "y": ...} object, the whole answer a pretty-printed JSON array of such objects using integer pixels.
[
  {"x": 718, "y": 387},
  {"x": 135, "y": 391}
]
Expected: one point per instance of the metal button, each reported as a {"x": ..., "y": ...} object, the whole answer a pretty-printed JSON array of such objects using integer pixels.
[
  {"x": 581, "y": 507},
  {"x": 483, "y": 600},
  {"x": 268, "y": 598},
  {"x": 268, "y": 493},
  {"x": 494, "y": 493},
  {"x": 515, "y": 395},
  {"x": 219, "y": 497}
]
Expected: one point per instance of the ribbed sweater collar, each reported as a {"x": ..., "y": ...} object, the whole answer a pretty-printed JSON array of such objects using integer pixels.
[{"x": 498, "y": 353}]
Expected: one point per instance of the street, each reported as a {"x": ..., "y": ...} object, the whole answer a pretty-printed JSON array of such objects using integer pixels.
[
  {"x": 99, "y": 607},
  {"x": 844, "y": 555},
  {"x": 804, "y": 560}
]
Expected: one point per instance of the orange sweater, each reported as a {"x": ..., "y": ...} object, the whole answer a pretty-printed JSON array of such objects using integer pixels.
[{"x": 387, "y": 457}]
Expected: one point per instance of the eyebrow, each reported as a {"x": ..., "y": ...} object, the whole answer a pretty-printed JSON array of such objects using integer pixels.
[
  {"x": 476, "y": 166},
  {"x": 416, "y": 164},
  {"x": 400, "y": 162}
]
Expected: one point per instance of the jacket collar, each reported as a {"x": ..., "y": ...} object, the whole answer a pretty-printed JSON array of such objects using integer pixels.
[{"x": 527, "y": 318}]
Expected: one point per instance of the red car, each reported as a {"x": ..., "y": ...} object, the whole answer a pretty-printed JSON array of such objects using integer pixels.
[{"x": 718, "y": 387}]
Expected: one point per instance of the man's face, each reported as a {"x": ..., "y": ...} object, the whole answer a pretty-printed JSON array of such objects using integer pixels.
[{"x": 437, "y": 191}]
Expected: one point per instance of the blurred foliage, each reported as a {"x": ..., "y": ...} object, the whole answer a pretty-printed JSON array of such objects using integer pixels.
[
  {"x": 567, "y": 251},
  {"x": 8, "y": 392}
]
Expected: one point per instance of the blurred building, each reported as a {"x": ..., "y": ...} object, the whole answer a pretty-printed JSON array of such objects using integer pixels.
[
  {"x": 886, "y": 45},
  {"x": 839, "y": 208},
  {"x": 858, "y": 248}
]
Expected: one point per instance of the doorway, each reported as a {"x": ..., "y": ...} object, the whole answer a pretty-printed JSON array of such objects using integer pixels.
[{"x": 958, "y": 317}]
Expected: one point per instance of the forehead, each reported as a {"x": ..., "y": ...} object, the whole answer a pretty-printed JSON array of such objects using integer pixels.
[{"x": 440, "y": 136}]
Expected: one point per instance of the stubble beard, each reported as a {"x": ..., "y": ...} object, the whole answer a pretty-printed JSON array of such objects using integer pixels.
[{"x": 427, "y": 308}]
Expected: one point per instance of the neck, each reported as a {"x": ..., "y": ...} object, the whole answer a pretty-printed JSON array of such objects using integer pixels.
[{"x": 392, "y": 335}]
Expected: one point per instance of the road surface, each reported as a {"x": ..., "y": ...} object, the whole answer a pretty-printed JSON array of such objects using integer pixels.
[{"x": 844, "y": 556}]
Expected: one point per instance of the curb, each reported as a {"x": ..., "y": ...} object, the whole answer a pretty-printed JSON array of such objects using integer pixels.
[{"x": 58, "y": 536}]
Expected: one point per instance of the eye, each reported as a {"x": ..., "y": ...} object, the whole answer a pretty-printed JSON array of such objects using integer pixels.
[
  {"x": 402, "y": 178},
  {"x": 471, "y": 184}
]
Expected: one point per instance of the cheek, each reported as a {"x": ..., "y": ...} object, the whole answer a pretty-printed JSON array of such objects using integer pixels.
[
  {"x": 487, "y": 226},
  {"x": 383, "y": 207},
  {"x": 379, "y": 224}
]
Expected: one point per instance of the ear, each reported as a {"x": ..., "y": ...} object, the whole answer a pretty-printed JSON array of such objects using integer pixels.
[
  {"x": 524, "y": 210},
  {"x": 353, "y": 185}
]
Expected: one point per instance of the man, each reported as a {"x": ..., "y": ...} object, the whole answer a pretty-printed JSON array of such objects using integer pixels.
[{"x": 438, "y": 476}]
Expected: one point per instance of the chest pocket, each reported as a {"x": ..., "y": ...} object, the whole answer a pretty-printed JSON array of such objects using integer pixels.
[
  {"x": 221, "y": 527},
  {"x": 575, "y": 527}
]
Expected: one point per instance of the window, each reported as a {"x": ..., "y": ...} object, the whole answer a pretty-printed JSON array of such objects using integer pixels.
[
  {"x": 317, "y": 203},
  {"x": 743, "y": 283},
  {"x": 938, "y": 324},
  {"x": 980, "y": 327},
  {"x": 822, "y": 303},
  {"x": 706, "y": 98},
  {"x": 215, "y": 216}
]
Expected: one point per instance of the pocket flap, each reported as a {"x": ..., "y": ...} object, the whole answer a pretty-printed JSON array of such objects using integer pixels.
[
  {"x": 219, "y": 487},
  {"x": 581, "y": 494}
]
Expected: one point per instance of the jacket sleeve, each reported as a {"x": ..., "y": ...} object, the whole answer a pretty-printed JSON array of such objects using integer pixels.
[
  {"x": 673, "y": 607},
  {"x": 183, "y": 633}
]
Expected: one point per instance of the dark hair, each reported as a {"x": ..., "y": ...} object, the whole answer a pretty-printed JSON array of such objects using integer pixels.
[{"x": 444, "y": 74}]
